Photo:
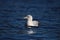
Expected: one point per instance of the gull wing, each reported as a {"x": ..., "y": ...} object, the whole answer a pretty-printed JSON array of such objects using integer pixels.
[{"x": 35, "y": 23}]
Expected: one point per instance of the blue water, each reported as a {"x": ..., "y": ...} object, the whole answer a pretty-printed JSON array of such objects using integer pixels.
[{"x": 13, "y": 26}]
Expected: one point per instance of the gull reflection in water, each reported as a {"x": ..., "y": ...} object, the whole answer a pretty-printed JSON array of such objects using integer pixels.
[{"x": 31, "y": 31}]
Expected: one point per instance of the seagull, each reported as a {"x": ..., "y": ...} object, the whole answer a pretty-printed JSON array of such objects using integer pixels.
[{"x": 31, "y": 22}]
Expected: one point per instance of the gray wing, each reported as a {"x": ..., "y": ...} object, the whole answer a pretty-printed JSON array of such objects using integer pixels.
[{"x": 35, "y": 23}]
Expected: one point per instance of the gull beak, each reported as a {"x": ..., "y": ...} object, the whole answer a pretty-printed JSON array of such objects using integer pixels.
[{"x": 25, "y": 17}]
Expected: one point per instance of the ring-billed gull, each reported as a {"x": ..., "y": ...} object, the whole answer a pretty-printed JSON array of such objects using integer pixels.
[{"x": 31, "y": 22}]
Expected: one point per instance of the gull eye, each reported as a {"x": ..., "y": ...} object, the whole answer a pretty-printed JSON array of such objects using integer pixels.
[{"x": 28, "y": 16}]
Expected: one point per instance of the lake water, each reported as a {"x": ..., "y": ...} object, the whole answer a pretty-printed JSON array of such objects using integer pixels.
[{"x": 13, "y": 26}]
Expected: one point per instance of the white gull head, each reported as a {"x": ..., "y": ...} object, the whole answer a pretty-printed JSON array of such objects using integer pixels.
[{"x": 31, "y": 22}]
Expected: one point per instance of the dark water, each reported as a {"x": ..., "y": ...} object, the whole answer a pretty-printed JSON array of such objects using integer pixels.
[{"x": 13, "y": 26}]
